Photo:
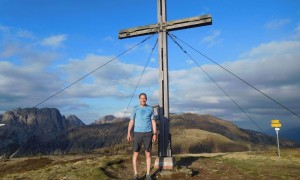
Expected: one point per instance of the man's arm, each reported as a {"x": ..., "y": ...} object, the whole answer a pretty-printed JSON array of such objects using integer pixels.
[
  {"x": 130, "y": 125},
  {"x": 154, "y": 130}
]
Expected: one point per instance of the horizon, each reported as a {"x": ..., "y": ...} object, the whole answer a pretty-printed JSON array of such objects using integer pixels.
[
  {"x": 45, "y": 46},
  {"x": 266, "y": 131}
]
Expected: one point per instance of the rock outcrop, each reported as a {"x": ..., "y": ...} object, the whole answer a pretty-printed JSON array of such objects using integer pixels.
[
  {"x": 110, "y": 119},
  {"x": 32, "y": 127}
]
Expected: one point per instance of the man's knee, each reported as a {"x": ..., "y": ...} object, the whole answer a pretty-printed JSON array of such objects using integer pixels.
[
  {"x": 148, "y": 154},
  {"x": 135, "y": 154}
]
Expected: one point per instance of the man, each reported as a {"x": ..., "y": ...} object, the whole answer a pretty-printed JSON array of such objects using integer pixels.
[{"x": 142, "y": 119}]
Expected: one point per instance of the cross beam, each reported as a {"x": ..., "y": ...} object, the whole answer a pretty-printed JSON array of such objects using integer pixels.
[
  {"x": 167, "y": 26},
  {"x": 165, "y": 159}
]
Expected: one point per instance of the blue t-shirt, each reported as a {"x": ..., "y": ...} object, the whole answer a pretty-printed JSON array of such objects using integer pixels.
[{"x": 142, "y": 117}]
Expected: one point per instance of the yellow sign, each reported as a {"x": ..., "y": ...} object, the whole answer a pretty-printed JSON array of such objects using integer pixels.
[
  {"x": 276, "y": 125},
  {"x": 275, "y": 121}
]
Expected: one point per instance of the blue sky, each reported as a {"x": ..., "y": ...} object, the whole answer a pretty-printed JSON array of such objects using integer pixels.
[{"x": 45, "y": 45}]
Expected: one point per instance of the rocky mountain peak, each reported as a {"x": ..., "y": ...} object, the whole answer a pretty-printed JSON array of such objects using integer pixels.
[
  {"x": 73, "y": 122},
  {"x": 24, "y": 126},
  {"x": 110, "y": 119}
]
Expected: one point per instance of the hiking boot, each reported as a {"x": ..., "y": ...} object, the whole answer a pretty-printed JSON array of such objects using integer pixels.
[
  {"x": 148, "y": 177},
  {"x": 135, "y": 177}
]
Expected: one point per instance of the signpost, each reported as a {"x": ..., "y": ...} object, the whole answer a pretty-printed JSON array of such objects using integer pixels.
[{"x": 276, "y": 124}]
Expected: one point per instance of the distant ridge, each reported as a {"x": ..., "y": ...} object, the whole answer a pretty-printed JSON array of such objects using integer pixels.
[
  {"x": 33, "y": 131},
  {"x": 205, "y": 133}
]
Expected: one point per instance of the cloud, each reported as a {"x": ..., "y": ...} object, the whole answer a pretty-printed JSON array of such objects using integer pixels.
[
  {"x": 298, "y": 28},
  {"x": 297, "y": 32},
  {"x": 54, "y": 41},
  {"x": 272, "y": 67},
  {"x": 26, "y": 79},
  {"x": 189, "y": 61},
  {"x": 109, "y": 38},
  {"x": 152, "y": 60},
  {"x": 124, "y": 112},
  {"x": 21, "y": 86},
  {"x": 25, "y": 34},
  {"x": 113, "y": 80},
  {"x": 277, "y": 23},
  {"x": 272, "y": 49},
  {"x": 212, "y": 39},
  {"x": 4, "y": 28}
]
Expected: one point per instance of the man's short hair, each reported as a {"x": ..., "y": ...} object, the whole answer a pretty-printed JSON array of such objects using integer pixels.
[{"x": 143, "y": 94}]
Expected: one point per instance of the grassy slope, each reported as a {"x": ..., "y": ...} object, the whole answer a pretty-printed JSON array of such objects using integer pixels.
[
  {"x": 67, "y": 167},
  {"x": 236, "y": 165},
  {"x": 197, "y": 141}
]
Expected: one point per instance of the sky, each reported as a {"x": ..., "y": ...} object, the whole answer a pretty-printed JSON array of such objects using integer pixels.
[{"x": 47, "y": 45}]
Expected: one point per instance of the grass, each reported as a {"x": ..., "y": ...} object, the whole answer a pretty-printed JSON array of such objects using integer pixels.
[
  {"x": 266, "y": 165},
  {"x": 234, "y": 165},
  {"x": 196, "y": 140},
  {"x": 91, "y": 167}
]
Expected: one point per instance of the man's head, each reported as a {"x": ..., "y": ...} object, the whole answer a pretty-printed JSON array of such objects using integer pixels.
[{"x": 143, "y": 99}]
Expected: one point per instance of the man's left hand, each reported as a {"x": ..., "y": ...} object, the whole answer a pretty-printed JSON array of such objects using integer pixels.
[{"x": 154, "y": 137}]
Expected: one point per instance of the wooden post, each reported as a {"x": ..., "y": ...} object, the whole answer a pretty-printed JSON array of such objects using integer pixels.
[{"x": 164, "y": 149}]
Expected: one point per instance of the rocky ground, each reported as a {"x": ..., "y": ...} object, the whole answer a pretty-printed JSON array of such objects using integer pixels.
[{"x": 237, "y": 165}]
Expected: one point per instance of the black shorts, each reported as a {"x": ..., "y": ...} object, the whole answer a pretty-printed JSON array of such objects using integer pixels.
[{"x": 140, "y": 138}]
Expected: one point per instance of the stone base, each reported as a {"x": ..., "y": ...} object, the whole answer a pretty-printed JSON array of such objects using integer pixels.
[{"x": 165, "y": 163}]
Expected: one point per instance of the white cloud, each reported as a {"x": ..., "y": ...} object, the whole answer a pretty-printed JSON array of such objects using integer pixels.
[
  {"x": 298, "y": 28},
  {"x": 29, "y": 81},
  {"x": 189, "y": 61},
  {"x": 277, "y": 23},
  {"x": 109, "y": 38},
  {"x": 124, "y": 112},
  {"x": 297, "y": 32},
  {"x": 152, "y": 60},
  {"x": 25, "y": 34},
  {"x": 116, "y": 77},
  {"x": 54, "y": 41},
  {"x": 4, "y": 28},
  {"x": 272, "y": 49},
  {"x": 212, "y": 39},
  {"x": 272, "y": 67}
]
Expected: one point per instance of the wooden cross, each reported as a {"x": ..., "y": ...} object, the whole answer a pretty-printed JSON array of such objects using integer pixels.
[{"x": 162, "y": 27}]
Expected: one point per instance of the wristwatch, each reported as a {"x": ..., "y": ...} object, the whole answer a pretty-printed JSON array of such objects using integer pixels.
[{"x": 154, "y": 134}]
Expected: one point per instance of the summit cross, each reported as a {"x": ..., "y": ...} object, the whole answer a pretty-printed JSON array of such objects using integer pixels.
[{"x": 165, "y": 159}]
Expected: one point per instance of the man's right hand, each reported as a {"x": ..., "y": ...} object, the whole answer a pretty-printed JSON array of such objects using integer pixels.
[{"x": 129, "y": 138}]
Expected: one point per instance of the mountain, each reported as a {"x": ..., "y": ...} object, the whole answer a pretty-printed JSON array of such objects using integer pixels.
[
  {"x": 73, "y": 122},
  {"x": 35, "y": 131},
  {"x": 26, "y": 129},
  {"x": 110, "y": 119},
  {"x": 193, "y": 133}
]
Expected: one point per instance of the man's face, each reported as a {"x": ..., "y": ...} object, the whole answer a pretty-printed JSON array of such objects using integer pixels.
[{"x": 143, "y": 100}]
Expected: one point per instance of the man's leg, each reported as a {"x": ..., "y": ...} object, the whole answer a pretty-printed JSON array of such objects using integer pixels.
[
  {"x": 134, "y": 162},
  {"x": 148, "y": 147},
  {"x": 137, "y": 143},
  {"x": 148, "y": 161}
]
